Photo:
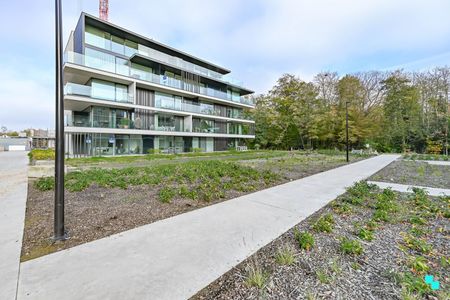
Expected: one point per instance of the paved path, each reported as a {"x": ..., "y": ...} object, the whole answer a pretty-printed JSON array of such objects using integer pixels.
[
  {"x": 176, "y": 257},
  {"x": 13, "y": 197},
  {"x": 438, "y": 162},
  {"x": 408, "y": 188}
]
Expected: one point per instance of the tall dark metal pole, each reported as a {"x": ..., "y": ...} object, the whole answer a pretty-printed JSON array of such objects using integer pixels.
[
  {"x": 59, "y": 231},
  {"x": 346, "y": 128}
]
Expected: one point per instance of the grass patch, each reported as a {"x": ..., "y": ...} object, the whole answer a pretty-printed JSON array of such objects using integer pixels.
[
  {"x": 365, "y": 234},
  {"x": 166, "y": 194},
  {"x": 256, "y": 277},
  {"x": 323, "y": 276},
  {"x": 285, "y": 255},
  {"x": 418, "y": 264}
]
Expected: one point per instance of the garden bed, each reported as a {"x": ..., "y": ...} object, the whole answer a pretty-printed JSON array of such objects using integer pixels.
[
  {"x": 367, "y": 244},
  {"x": 101, "y": 202},
  {"x": 415, "y": 173}
]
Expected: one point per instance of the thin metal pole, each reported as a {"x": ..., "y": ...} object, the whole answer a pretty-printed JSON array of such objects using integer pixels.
[
  {"x": 59, "y": 232},
  {"x": 346, "y": 128}
]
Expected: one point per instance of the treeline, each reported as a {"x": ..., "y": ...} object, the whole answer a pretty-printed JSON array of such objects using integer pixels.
[{"x": 390, "y": 111}]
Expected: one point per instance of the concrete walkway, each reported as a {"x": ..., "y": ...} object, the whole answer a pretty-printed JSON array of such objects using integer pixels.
[
  {"x": 13, "y": 197},
  {"x": 438, "y": 162},
  {"x": 176, "y": 257},
  {"x": 404, "y": 188}
]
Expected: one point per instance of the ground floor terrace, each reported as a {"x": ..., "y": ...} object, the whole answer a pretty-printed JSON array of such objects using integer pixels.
[{"x": 109, "y": 144}]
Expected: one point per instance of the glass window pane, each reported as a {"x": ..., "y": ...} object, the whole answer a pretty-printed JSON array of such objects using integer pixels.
[
  {"x": 122, "y": 66},
  {"x": 103, "y": 90},
  {"x": 121, "y": 93},
  {"x": 97, "y": 38},
  {"x": 130, "y": 48},
  {"x": 118, "y": 45},
  {"x": 99, "y": 60}
]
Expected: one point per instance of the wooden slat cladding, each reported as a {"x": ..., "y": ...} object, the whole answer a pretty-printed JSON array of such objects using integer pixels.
[{"x": 145, "y": 97}]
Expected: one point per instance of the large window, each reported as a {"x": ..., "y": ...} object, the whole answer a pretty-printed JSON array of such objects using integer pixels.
[
  {"x": 104, "y": 40},
  {"x": 109, "y": 91},
  {"x": 163, "y": 100},
  {"x": 170, "y": 123}
]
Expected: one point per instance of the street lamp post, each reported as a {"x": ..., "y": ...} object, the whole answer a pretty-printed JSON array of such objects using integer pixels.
[
  {"x": 59, "y": 231},
  {"x": 346, "y": 129}
]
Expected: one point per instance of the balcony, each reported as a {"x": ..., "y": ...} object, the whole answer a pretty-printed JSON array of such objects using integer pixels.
[
  {"x": 117, "y": 65},
  {"x": 97, "y": 93}
]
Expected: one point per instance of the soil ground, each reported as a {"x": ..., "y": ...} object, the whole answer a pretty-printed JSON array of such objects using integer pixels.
[{"x": 98, "y": 212}]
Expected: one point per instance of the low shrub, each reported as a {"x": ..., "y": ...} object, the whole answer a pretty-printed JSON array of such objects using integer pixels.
[
  {"x": 45, "y": 183},
  {"x": 166, "y": 194},
  {"x": 365, "y": 234},
  {"x": 153, "y": 151},
  {"x": 352, "y": 247},
  {"x": 324, "y": 224},
  {"x": 305, "y": 239},
  {"x": 418, "y": 264},
  {"x": 41, "y": 154}
]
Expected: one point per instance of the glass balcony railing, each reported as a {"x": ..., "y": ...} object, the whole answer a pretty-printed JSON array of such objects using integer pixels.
[
  {"x": 199, "y": 109},
  {"x": 98, "y": 92},
  {"x": 117, "y": 65},
  {"x": 185, "y": 65}
]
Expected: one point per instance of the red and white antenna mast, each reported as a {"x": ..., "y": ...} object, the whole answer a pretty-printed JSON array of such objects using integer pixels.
[{"x": 103, "y": 9}]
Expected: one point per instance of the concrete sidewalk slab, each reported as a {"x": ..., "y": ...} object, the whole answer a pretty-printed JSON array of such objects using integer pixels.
[
  {"x": 13, "y": 197},
  {"x": 176, "y": 257},
  {"x": 438, "y": 162},
  {"x": 404, "y": 188}
]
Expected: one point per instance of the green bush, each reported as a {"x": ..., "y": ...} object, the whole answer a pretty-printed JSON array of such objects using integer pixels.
[
  {"x": 324, "y": 224},
  {"x": 305, "y": 240},
  {"x": 365, "y": 234},
  {"x": 166, "y": 194},
  {"x": 45, "y": 183},
  {"x": 153, "y": 151},
  {"x": 352, "y": 247},
  {"x": 41, "y": 154}
]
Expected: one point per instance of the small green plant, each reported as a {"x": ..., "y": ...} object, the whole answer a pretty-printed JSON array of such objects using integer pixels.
[
  {"x": 324, "y": 224},
  {"x": 256, "y": 277},
  {"x": 371, "y": 225},
  {"x": 365, "y": 234},
  {"x": 414, "y": 284},
  {"x": 342, "y": 209},
  {"x": 352, "y": 247},
  {"x": 381, "y": 215},
  {"x": 45, "y": 183},
  {"x": 166, "y": 194},
  {"x": 305, "y": 239},
  {"x": 417, "y": 220},
  {"x": 355, "y": 266},
  {"x": 335, "y": 267},
  {"x": 417, "y": 244},
  {"x": 418, "y": 264},
  {"x": 323, "y": 276},
  {"x": 285, "y": 255}
]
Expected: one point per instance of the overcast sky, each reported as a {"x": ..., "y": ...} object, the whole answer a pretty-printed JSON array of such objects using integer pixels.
[{"x": 258, "y": 40}]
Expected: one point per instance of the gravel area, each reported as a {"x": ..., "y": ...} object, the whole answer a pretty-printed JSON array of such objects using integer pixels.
[
  {"x": 99, "y": 212},
  {"x": 415, "y": 173},
  {"x": 325, "y": 272}
]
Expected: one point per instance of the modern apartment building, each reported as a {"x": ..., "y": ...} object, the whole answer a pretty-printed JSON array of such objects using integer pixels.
[{"x": 126, "y": 94}]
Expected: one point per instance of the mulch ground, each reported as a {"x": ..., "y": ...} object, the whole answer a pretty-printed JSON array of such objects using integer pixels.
[
  {"x": 98, "y": 212},
  {"x": 371, "y": 275},
  {"x": 415, "y": 173}
]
